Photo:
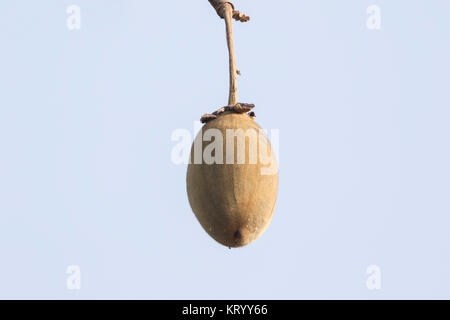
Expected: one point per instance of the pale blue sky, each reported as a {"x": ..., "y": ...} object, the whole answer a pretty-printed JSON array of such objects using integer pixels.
[{"x": 86, "y": 177}]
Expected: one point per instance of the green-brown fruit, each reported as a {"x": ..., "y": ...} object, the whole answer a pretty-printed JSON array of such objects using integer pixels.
[{"x": 234, "y": 203}]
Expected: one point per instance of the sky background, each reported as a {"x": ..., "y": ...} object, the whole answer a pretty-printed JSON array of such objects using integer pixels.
[{"x": 86, "y": 177}]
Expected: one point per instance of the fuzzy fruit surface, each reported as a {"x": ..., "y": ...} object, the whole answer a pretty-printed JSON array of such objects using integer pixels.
[{"x": 234, "y": 203}]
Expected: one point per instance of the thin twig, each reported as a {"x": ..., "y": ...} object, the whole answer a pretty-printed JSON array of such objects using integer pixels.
[
  {"x": 232, "y": 97},
  {"x": 225, "y": 10}
]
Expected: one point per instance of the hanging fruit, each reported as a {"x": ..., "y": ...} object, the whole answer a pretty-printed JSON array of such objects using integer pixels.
[{"x": 232, "y": 177}]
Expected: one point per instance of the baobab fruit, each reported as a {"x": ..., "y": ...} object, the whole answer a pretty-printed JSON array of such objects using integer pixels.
[{"x": 232, "y": 179}]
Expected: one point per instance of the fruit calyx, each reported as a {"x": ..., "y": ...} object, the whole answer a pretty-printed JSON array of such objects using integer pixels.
[{"x": 239, "y": 108}]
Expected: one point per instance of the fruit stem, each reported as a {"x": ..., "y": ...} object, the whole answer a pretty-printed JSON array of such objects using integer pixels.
[
  {"x": 225, "y": 10},
  {"x": 232, "y": 97}
]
